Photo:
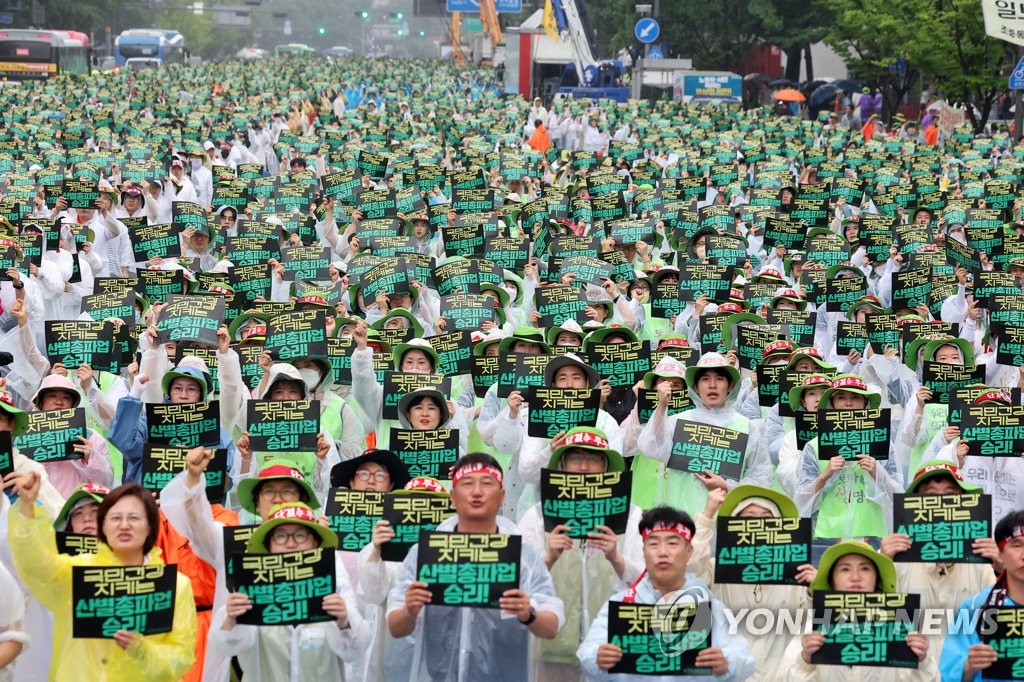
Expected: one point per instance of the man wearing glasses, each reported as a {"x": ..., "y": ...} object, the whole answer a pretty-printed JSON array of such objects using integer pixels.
[{"x": 185, "y": 504}]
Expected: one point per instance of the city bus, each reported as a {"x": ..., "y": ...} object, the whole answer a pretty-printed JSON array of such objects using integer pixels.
[
  {"x": 293, "y": 49},
  {"x": 166, "y": 45},
  {"x": 36, "y": 54}
]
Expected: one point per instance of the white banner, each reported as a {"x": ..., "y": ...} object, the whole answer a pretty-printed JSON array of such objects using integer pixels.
[{"x": 1004, "y": 19}]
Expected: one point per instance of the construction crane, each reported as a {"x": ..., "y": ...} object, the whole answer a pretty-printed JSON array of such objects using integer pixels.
[{"x": 586, "y": 76}]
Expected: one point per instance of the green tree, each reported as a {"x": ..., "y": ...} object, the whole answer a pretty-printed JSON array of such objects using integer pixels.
[
  {"x": 793, "y": 26},
  {"x": 941, "y": 41}
]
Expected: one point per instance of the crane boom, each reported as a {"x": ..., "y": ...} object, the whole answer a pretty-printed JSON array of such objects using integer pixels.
[{"x": 594, "y": 78}]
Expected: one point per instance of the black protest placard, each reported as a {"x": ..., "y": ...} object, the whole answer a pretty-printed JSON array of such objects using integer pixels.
[
  {"x": 852, "y": 433},
  {"x": 941, "y": 378},
  {"x": 666, "y": 300},
  {"x": 283, "y": 425},
  {"x": 995, "y": 282},
  {"x": 800, "y": 323},
  {"x": 410, "y": 516},
  {"x": 587, "y": 270},
  {"x": 74, "y": 343},
  {"x": 106, "y": 599},
  {"x": 371, "y": 164},
  {"x": 647, "y": 403},
  {"x": 841, "y": 292},
  {"x": 306, "y": 262},
  {"x": 1006, "y": 309},
  {"x": 851, "y": 336},
  {"x": 556, "y": 410},
  {"x": 1006, "y": 636},
  {"x": 713, "y": 281},
  {"x": 780, "y": 231},
  {"x": 250, "y": 282},
  {"x": 623, "y": 364},
  {"x": 697, "y": 448},
  {"x": 162, "y": 241},
  {"x": 390, "y": 276},
  {"x": 190, "y": 318},
  {"x": 51, "y": 435},
  {"x": 473, "y": 200},
  {"x": 993, "y": 429},
  {"x": 468, "y": 569},
  {"x": 428, "y": 452},
  {"x": 111, "y": 304},
  {"x": 468, "y": 311},
  {"x": 6, "y": 454},
  {"x": 751, "y": 340},
  {"x": 187, "y": 425},
  {"x": 725, "y": 249},
  {"x": 235, "y": 539},
  {"x": 710, "y": 328},
  {"x": 157, "y": 285},
  {"x": 865, "y": 628},
  {"x": 297, "y": 334},
  {"x": 911, "y": 288},
  {"x": 559, "y": 303},
  {"x": 584, "y": 501},
  {"x": 642, "y": 630},
  {"x": 883, "y": 332},
  {"x": 761, "y": 551},
  {"x": 397, "y": 384},
  {"x": 963, "y": 397},
  {"x": 80, "y": 193},
  {"x": 161, "y": 463},
  {"x": 255, "y": 250},
  {"x": 510, "y": 253},
  {"x": 911, "y": 331},
  {"x": 74, "y": 544},
  {"x": 285, "y": 589},
  {"x": 1010, "y": 346},
  {"x": 460, "y": 275},
  {"x": 768, "y": 384},
  {"x": 352, "y": 514},
  {"x": 486, "y": 372},
  {"x": 942, "y": 527},
  {"x": 455, "y": 350},
  {"x": 186, "y": 214}
]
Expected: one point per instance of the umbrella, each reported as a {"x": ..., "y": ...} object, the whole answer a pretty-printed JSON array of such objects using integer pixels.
[
  {"x": 822, "y": 95},
  {"x": 782, "y": 83},
  {"x": 789, "y": 95}
]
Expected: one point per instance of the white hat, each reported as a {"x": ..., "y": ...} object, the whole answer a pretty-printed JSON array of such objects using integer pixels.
[{"x": 208, "y": 145}]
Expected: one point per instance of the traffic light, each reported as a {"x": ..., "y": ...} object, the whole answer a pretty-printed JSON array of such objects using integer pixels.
[
  {"x": 399, "y": 15},
  {"x": 363, "y": 14},
  {"x": 422, "y": 33},
  {"x": 322, "y": 30}
]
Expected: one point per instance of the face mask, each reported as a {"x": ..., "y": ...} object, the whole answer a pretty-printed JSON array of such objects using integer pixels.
[
  {"x": 700, "y": 251},
  {"x": 310, "y": 377},
  {"x": 196, "y": 164}
]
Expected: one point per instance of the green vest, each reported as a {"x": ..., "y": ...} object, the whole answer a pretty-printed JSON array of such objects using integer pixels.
[{"x": 846, "y": 510}]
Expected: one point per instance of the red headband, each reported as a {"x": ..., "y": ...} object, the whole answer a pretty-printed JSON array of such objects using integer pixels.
[
  {"x": 297, "y": 512},
  {"x": 662, "y": 527},
  {"x": 585, "y": 438},
  {"x": 254, "y": 330},
  {"x": 1015, "y": 532},
  {"x": 478, "y": 468}
]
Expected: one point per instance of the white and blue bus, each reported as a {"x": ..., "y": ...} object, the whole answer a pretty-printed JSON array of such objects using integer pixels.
[{"x": 165, "y": 45}]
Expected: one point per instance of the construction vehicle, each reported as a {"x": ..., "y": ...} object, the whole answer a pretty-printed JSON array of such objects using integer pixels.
[
  {"x": 486, "y": 44},
  {"x": 586, "y": 77}
]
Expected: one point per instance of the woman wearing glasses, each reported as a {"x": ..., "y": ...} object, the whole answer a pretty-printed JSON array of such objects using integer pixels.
[
  {"x": 128, "y": 523},
  {"x": 311, "y": 651}
]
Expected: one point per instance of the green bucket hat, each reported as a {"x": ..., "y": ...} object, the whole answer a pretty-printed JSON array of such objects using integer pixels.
[
  {"x": 940, "y": 467},
  {"x": 19, "y": 416},
  {"x": 736, "y": 319},
  {"x": 587, "y": 438},
  {"x": 187, "y": 372},
  {"x": 528, "y": 334},
  {"x": 273, "y": 470},
  {"x": 796, "y": 394},
  {"x": 931, "y": 344},
  {"x": 885, "y": 566},
  {"x": 290, "y": 512},
  {"x": 499, "y": 291},
  {"x": 852, "y": 384},
  {"x": 253, "y": 335},
  {"x": 600, "y": 334},
  {"x": 84, "y": 492},
  {"x": 862, "y": 302},
  {"x": 569, "y": 359},
  {"x": 755, "y": 494},
  {"x": 414, "y": 324}
]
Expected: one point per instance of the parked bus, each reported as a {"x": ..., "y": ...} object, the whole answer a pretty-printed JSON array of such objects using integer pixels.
[
  {"x": 166, "y": 45},
  {"x": 293, "y": 49},
  {"x": 37, "y": 54},
  {"x": 338, "y": 52}
]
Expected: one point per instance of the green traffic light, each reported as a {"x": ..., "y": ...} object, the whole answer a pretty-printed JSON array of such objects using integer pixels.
[
  {"x": 364, "y": 14},
  {"x": 422, "y": 33},
  {"x": 399, "y": 15},
  {"x": 321, "y": 30}
]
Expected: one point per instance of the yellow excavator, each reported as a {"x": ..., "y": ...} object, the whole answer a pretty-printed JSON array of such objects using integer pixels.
[{"x": 491, "y": 26}]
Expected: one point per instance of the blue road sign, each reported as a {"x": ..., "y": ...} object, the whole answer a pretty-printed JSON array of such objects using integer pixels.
[
  {"x": 473, "y": 6},
  {"x": 1017, "y": 77},
  {"x": 655, "y": 52},
  {"x": 647, "y": 30}
]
